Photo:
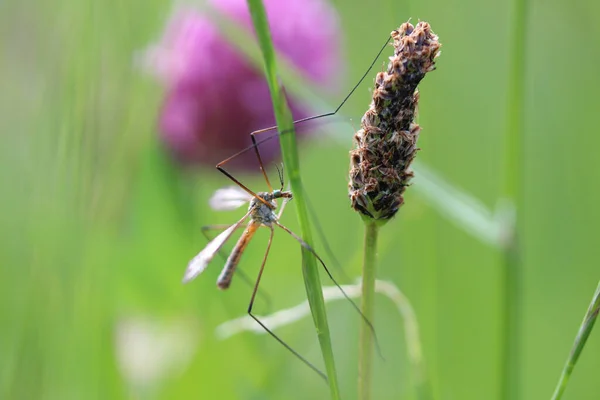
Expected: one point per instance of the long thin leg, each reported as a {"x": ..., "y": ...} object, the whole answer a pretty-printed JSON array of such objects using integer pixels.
[
  {"x": 328, "y": 114},
  {"x": 320, "y": 232},
  {"x": 323, "y": 238},
  {"x": 314, "y": 253},
  {"x": 240, "y": 184},
  {"x": 294, "y": 352},
  {"x": 260, "y": 163},
  {"x": 285, "y": 201},
  {"x": 255, "y": 143},
  {"x": 205, "y": 229}
]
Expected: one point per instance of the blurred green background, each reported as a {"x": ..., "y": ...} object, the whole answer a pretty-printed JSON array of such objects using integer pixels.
[{"x": 97, "y": 225}]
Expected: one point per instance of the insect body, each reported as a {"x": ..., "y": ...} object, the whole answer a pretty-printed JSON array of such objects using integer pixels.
[{"x": 260, "y": 214}]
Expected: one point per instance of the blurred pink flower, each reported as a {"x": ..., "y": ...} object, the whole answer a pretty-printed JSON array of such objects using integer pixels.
[{"x": 214, "y": 97}]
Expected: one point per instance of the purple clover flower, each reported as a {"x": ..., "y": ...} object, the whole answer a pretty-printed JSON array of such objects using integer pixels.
[{"x": 214, "y": 97}]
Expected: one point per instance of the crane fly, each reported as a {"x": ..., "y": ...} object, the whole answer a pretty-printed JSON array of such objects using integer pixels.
[{"x": 261, "y": 212}]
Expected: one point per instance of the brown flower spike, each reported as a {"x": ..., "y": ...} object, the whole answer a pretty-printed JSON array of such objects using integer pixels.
[{"x": 386, "y": 143}]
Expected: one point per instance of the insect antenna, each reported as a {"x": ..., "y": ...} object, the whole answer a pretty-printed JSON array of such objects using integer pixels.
[{"x": 280, "y": 173}]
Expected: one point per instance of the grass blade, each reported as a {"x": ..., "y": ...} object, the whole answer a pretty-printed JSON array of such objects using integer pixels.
[
  {"x": 289, "y": 152},
  {"x": 512, "y": 285},
  {"x": 582, "y": 335}
]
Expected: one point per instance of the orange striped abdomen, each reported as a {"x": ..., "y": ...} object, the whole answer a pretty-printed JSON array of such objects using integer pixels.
[{"x": 231, "y": 264}]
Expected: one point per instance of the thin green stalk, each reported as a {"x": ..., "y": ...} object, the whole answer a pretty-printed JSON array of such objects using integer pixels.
[
  {"x": 289, "y": 153},
  {"x": 369, "y": 272},
  {"x": 582, "y": 335},
  {"x": 512, "y": 285},
  {"x": 511, "y": 322}
]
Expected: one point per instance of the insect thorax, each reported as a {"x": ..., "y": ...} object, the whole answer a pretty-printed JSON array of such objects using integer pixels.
[{"x": 260, "y": 212}]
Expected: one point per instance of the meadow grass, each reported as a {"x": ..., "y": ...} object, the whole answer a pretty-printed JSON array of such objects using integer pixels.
[{"x": 98, "y": 223}]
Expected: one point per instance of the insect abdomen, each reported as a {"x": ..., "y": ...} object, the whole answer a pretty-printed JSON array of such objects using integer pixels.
[{"x": 226, "y": 276}]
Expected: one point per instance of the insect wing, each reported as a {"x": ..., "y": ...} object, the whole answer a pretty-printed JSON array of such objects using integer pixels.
[
  {"x": 229, "y": 198},
  {"x": 200, "y": 262}
]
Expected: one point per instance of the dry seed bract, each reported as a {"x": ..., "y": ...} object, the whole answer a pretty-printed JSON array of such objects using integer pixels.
[{"x": 386, "y": 144}]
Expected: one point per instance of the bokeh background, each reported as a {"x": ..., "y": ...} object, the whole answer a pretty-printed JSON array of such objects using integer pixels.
[{"x": 98, "y": 223}]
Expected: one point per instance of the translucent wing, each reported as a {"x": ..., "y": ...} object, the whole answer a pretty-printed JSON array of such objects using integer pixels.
[
  {"x": 200, "y": 262},
  {"x": 229, "y": 198}
]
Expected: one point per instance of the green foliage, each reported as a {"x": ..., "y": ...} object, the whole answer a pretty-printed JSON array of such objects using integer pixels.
[
  {"x": 580, "y": 340},
  {"x": 97, "y": 226}
]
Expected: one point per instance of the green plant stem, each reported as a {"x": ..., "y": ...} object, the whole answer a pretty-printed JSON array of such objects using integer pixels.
[
  {"x": 289, "y": 151},
  {"x": 511, "y": 321},
  {"x": 369, "y": 272},
  {"x": 512, "y": 285},
  {"x": 582, "y": 335}
]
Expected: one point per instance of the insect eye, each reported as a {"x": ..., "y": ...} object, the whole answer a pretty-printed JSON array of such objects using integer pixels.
[{"x": 276, "y": 193}]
